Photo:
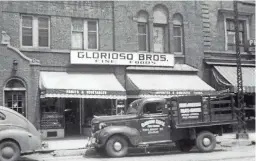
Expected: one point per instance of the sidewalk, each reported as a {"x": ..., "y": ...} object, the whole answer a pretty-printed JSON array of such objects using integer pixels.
[{"x": 230, "y": 140}]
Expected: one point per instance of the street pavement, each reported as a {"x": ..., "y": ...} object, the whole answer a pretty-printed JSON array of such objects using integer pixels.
[{"x": 234, "y": 153}]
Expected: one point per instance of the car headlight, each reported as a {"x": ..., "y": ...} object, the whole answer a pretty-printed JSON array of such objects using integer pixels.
[{"x": 102, "y": 125}]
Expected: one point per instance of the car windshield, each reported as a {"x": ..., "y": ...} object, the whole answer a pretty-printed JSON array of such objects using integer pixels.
[{"x": 133, "y": 107}]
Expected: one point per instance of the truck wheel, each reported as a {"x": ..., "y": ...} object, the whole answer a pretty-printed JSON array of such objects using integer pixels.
[
  {"x": 205, "y": 141},
  {"x": 101, "y": 151},
  {"x": 184, "y": 145},
  {"x": 9, "y": 151},
  {"x": 116, "y": 146}
]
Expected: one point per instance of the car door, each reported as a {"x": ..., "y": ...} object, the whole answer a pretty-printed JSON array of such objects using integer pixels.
[{"x": 154, "y": 123}]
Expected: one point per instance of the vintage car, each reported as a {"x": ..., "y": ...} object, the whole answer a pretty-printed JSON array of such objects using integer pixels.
[{"x": 17, "y": 135}]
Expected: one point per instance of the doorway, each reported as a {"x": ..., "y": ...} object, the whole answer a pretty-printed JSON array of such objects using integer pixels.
[{"x": 72, "y": 117}]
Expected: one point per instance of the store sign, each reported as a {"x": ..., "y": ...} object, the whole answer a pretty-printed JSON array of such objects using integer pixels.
[
  {"x": 252, "y": 45},
  {"x": 121, "y": 58},
  {"x": 178, "y": 92}
]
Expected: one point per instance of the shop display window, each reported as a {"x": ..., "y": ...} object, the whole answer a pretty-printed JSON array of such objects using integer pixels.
[{"x": 51, "y": 114}]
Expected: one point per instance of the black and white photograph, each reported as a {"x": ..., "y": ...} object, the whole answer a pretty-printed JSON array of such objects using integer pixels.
[{"x": 127, "y": 80}]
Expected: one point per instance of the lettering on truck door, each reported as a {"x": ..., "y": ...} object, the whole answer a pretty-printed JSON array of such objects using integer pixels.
[{"x": 154, "y": 124}]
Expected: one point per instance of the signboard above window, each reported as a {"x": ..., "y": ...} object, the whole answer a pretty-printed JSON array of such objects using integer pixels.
[{"x": 121, "y": 58}]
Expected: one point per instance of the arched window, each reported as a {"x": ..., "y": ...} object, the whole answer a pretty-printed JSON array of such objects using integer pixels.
[
  {"x": 160, "y": 31},
  {"x": 14, "y": 93},
  {"x": 178, "y": 33},
  {"x": 143, "y": 31}
]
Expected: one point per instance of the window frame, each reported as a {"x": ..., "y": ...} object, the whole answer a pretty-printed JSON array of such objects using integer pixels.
[
  {"x": 181, "y": 39},
  {"x": 146, "y": 34},
  {"x": 165, "y": 37},
  {"x": 85, "y": 33},
  {"x": 246, "y": 26},
  {"x": 35, "y": 31}
]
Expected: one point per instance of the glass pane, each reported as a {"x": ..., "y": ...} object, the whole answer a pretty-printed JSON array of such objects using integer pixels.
[
  {"x": 43, "y": 37},
  {"x": 231, "y": 25},
  {"x": 20, "y": 103},
  {"x": 241, "y": 26},
  {"x": 158, "y": 39},
  {"x": 27, "y": 36},
  {"x": 77, "y": 40},
  {"x": 177, "y": 30},
  {"x": 241, "y": 38},
  {"x": 142, "y": 28},
  {"x": 27, "y": 21},
  {"x": 92, "y": 26},
  {"x": 9, "y": 104},
  {"x": 19, "y": 110},
  {"x": 231, "y": 37},
  {"x": 43, "y": 22},
  {"x": 78, "y": 25},
  {"x": 231, "y": 47},
  {"x": 92, "y": 40},
  {"x": 177, "y": 44},
  {"x": 142, "y": 43}
]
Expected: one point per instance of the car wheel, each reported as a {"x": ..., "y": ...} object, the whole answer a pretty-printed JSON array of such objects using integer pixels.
[
  {"x": 205, "y": 141},
  {"x": 116, "y": 146},
  {"x": 184, "y": 145},
  {"x": 9, "y": 151}
]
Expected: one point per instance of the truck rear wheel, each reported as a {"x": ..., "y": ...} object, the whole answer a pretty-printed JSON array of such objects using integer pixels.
[
  {"x": 116, "y": 146},
  {"x": 205, "y": 141},
  {"x": 184, "y": 145}
]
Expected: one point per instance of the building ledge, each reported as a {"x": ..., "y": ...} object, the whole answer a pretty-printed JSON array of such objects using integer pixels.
[
  {"x": 220, "y": 61},
  {"x": 45, "y": 50},
  {"x": 230, "y": 11}
]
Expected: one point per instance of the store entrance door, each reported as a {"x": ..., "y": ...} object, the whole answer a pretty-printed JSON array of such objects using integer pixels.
[{"x": 72, "y": 117}]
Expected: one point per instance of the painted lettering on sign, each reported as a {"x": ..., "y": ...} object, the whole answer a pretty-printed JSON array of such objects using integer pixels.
[
  {"x": 90, "y": 92},
  {"x": 153, "y": 126},
  {"x": 120, "y": 58}
]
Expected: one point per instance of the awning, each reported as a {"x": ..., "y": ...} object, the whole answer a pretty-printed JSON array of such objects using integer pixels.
[
  {"x": 165, "y": 85},
  {"x": 227, "y": 76},
  {"x": 81, "y": 85}
]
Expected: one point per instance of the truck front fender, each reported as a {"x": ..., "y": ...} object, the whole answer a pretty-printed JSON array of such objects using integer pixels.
[{"x": 132, "y": 134}]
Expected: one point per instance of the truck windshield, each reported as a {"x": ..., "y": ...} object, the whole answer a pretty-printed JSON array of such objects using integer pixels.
[{"x": 133, "y": 107}]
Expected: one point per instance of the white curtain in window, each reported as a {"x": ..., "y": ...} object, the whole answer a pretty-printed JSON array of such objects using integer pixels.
[{"x": 77, "y": 40}]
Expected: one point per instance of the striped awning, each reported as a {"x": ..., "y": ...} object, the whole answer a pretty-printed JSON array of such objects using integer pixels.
[
  {"x": 227, "y": 76},
  {"x": 81, "y": 85},
  {"x": 165, "y": 85}
]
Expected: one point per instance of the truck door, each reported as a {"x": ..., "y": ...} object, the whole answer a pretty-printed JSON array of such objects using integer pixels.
[{"x": 154, "y": 123}]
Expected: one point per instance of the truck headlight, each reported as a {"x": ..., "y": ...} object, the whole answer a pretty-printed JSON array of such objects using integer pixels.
[{"x": 102, "y": 125}]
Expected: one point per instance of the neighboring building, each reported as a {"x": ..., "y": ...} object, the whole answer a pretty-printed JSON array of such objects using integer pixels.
[
  {"x": 220, "y": 69},
  {"x": 51, "y": 71}
]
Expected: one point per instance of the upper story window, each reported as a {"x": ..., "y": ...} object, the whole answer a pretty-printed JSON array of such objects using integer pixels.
[
  {"x": 178, "y": 34},
  {"x": 230, "y": 34},
  {"x": 143, "y": 31},
  {"x": 35, "y": 31},
  {"x": 84, "y": 34},
  {"x": 160, "y": 29}
]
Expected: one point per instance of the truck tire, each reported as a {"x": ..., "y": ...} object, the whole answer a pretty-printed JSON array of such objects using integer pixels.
[
  {"x": 205, "y": 141},
  {"x": 184, "y": 145},
  {"x": 101, "y": 151},
  {"x": 116, "y": 146},
  {"x": 10, "y": 151}
]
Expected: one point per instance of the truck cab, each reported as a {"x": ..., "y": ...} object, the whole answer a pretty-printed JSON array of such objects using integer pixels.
[{"x": 184, "y": 120}]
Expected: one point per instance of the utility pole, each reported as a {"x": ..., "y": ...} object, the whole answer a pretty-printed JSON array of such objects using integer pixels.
[{"x": 241, "y": 132}]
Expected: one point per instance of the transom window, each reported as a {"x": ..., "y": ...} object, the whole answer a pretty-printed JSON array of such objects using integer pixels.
[
  {"x": 84, "y": 34},
  {"x": 35, "y": 31}
]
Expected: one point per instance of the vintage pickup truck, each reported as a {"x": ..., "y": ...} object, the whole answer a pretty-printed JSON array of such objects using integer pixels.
[{"x": 185, "y": 120}]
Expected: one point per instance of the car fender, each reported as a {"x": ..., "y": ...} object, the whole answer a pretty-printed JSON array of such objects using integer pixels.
[
  {"x": 20, "y": 136},
  {"x": 130, "y": 133}
]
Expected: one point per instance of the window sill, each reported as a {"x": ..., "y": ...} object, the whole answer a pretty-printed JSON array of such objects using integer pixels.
[{"x": 44, "y": 50}]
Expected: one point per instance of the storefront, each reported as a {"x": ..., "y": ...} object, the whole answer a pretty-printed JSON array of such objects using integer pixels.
[
  {"x": 70, "y": 100},
  {"x": 225, "y": 79}
]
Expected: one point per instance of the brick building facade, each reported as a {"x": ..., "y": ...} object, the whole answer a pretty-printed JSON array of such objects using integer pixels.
[{"x": 42, "y": 35}]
